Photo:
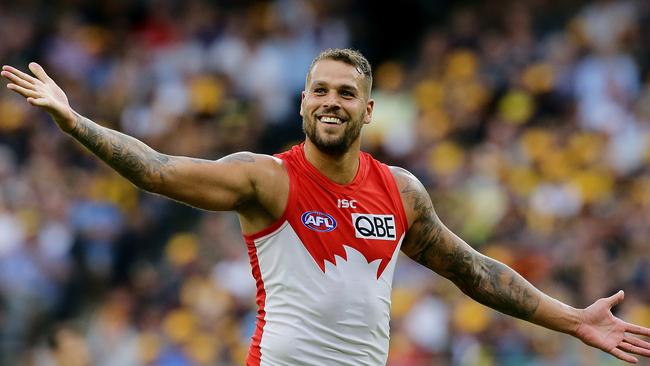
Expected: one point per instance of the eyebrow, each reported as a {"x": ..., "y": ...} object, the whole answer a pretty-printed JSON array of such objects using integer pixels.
[{"x": 344, "y": 86}]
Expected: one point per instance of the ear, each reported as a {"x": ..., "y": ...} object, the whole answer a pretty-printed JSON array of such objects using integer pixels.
[
  {"x": 302, "y": 100},
  {"x": 369, "y": 108}
]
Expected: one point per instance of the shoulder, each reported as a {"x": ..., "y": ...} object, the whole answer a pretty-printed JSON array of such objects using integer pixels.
[
  {"x": 270, "y": 186},
  {"x": 267, "y": 173},
  {"x": 402, "y": 176},
  {"x": 407, "y": 183},
  {"x": 248, "y": 157},
  {"x": 414, "y": 195},
  {"x": 256, "y": 162}
]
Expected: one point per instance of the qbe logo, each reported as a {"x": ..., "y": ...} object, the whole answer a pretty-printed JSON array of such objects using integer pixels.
[
  {"x": 318, "y": 221},
  {"x": 378, "y": 227}
]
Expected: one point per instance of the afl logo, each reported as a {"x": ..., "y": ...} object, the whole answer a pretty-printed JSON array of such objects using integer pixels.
[{"x": 318, "y": 221}]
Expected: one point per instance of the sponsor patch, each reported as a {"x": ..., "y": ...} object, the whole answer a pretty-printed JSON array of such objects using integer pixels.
[
  {"x": 377, "y": 227},
  {"x": 318, "y": 221}
]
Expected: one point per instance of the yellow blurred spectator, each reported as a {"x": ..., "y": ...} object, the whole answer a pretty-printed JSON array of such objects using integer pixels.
[
  {"x": 206, "y": 94},
  {"x": 461, "y": 65},
  {"x": 111, "y": 187},
  {"x": 555, "y": 166},
  {"x": 433, "y": 125},
  {"x": 537, "y": 142},
  {"x": 593, "y": 185},
  {"x": 522, "y": 180},
  {"x": 403, "y": 299},
  {"x": 182, "y": 249},
  {"x": 149, "y": 346},
  {"x": 470, "y": 317},
  {"x": 429, "y": 95},
  {"x": 202, "y": 349},
  {"x": 446, "y": 158},
  {"x": 585, "y": 148},
  {"x": 539, "y": 78},
  {"x": 180, "y": 325},
  {"x": 516, "y": 106},
  {"x": 12, "y": 115}
]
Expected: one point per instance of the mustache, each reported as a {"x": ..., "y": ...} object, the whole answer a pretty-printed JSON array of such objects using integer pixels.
[{"x": 332, "y": 112}]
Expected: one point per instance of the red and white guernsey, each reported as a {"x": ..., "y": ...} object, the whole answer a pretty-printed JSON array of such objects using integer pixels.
[{"x": 324, "y": 270}]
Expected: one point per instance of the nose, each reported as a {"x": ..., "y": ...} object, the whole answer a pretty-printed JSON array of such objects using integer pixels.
[{"x": 331, "y": 101}]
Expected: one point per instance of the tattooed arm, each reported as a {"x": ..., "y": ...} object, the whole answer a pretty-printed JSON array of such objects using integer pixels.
[
  {"x": 232, "y": 183},
  {"x": 484, "y": 279},
  {"x": 494, "y": 284},
  {"x": 222, "y": 185}
]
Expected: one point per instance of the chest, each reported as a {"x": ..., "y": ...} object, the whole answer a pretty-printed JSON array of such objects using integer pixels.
[{"x": 366, "y": 220}]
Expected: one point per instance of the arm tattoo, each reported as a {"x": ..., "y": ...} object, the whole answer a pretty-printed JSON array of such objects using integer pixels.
[
  {"x": 425, "y": 232},
  {"x": 482, "y": 278},
  {"x": 130, "y": 157},
  {"x": 492, "y": 283}
]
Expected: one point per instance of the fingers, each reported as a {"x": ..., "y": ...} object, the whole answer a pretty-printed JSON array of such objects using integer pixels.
[
  {"x": 16, "y": 80},
  {"x": 628, "y": 347},
  {"x": 636, "y": 329},
  {"x": 19, "y": 74},
  {"x": 23, "y": 91},
  {"x": 618, "y": 353},
  {"x": 637, "y": 342},
  {"x": 38, "y": 71}
]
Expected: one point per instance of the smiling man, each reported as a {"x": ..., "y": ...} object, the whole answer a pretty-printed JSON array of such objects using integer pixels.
[{"x": 324, "y": 223}]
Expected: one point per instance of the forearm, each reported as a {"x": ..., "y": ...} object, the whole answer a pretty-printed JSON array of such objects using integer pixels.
[
  {"x": 130, "y": 157},
  {"x": 496, "y": 285}
]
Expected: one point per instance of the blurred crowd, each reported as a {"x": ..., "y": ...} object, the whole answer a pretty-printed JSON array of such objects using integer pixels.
[{"x": 528, "y": 122}]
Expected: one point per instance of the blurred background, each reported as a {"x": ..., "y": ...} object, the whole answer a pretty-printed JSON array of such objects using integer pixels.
[{"x": 528, "y": 121}]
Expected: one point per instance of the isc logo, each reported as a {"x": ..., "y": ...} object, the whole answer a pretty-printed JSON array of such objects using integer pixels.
[
  {"x": 369, "y": 226},
  {"x": 318, "y": 221},
  {"x": 343, "y": 203}
]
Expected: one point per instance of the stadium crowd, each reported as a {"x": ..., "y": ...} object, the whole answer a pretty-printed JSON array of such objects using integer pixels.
[{"x": 529, "y": 123}]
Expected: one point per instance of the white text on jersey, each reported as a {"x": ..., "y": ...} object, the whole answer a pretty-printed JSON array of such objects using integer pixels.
[{"x": 343, "y": 203}]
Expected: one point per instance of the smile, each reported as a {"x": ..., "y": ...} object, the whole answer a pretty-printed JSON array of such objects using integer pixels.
[{"x": 330, "y": 120}]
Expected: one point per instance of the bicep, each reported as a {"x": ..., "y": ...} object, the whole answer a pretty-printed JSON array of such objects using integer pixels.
[
  {"x": 220, "y": 185},
  {"x": 428, "y": 241},
  {"x": 486, "y": 280}
]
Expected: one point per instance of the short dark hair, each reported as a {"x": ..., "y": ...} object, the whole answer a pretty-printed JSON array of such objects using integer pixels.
[{"x": 348, "y": 56}]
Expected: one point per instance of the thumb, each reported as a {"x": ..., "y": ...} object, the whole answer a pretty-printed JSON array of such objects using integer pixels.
[{"x": 615, "y": 299}]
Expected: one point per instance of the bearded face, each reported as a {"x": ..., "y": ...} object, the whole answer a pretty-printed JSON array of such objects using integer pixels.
[
  {"x": 334, "y": 106},
  {"x": 337, "y": 134}
]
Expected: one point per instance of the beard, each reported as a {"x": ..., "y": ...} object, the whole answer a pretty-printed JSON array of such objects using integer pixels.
[{"x": 332, "y": 146}]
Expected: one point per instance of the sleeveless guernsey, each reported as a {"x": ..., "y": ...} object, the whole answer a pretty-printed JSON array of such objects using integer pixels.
[{"x": 324, "y": 270}]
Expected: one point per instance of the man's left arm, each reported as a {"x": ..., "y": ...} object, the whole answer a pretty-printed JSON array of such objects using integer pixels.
[{"x": 492, "y": 283}]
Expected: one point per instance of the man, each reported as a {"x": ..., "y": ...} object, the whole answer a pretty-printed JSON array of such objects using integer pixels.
[{"x": 323, "y": 223}]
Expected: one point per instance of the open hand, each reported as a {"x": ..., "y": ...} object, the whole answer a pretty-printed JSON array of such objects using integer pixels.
[
  {"x": 601, "y": 329},
  {"x": 41, "y": 91}
]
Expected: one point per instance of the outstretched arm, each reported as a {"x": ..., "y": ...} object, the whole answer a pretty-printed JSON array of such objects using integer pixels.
[
  {"x": 227, "y": 184},
  {"x": 496, "y": 285}
]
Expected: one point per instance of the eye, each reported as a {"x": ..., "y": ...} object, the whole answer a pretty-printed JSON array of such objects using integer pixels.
[
  {"x": 347, "y": 94},
  {"x": 320, "y": 91}
]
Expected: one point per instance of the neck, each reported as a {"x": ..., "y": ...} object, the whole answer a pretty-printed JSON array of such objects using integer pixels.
[{"x": 338, "y": 168}]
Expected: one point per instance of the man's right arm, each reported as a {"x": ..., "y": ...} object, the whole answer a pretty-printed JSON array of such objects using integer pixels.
[
  {"x": 221, "y": 185},
  {"x": 227, "y": 184}
]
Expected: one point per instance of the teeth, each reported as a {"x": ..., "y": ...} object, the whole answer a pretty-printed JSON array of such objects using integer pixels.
[{"x": 331, "y": 120}]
